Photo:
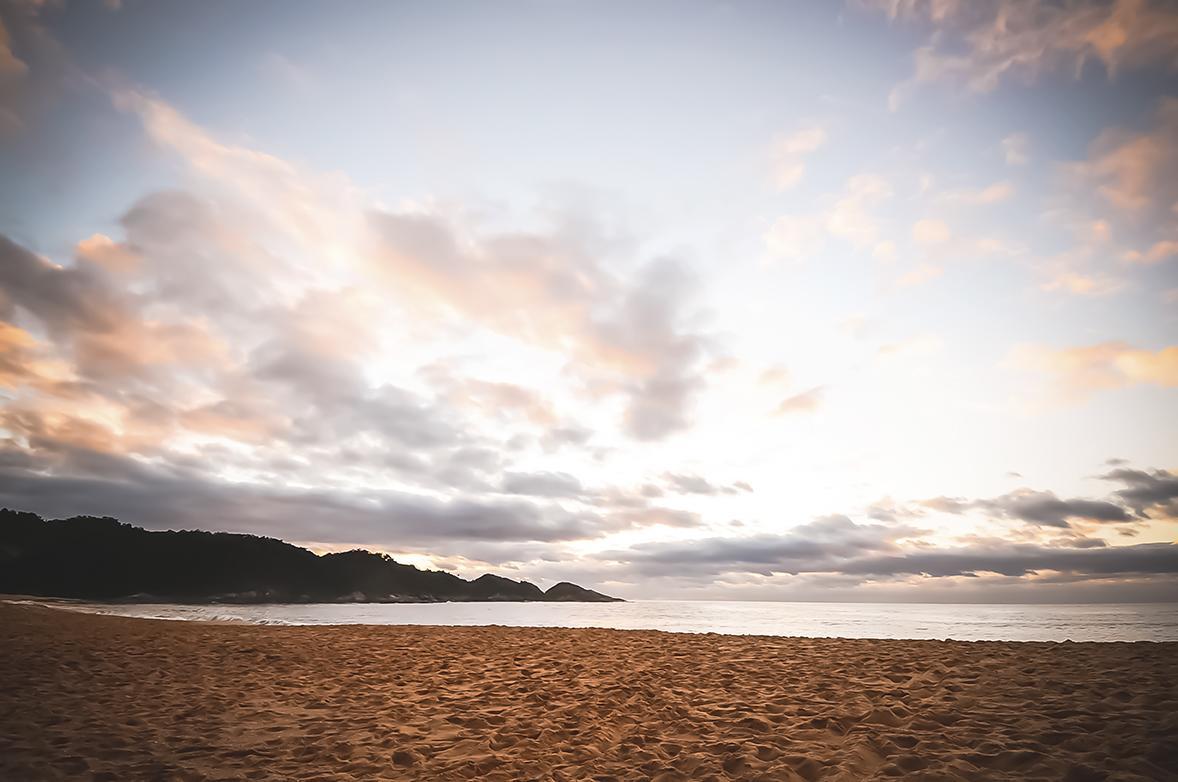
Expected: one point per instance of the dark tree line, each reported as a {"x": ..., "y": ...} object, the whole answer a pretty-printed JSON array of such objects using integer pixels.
[{"x": 96, "y": 558}]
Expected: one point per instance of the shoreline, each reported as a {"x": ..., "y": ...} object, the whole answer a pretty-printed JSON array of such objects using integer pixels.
[
  {"x": 87, "y": 696},
  {"x": 118, "y": 609}
]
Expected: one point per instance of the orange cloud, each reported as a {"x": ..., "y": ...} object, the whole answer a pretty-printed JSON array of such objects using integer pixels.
[
  {"x": 11, "y": 66},
  {"x": 1079, "y": 371},
  {"x": 1082, "y": 284},
  {"x": 1137, "y": 172},
  {"x": 111, "y": 255},
  {"x": 15, "y": 344},
  {"x": 1157, "y": 253},
  {"x": 982, "y": 44}
]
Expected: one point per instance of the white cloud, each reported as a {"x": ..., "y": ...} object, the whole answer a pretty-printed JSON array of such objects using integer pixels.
[
  {"x": 806, "y": 402},
  {"x": 790, "y": 152},
  {"x": 885, "y": 250},
  {"x": 794, "y": 236},
  {"x": 931, "y": 232},
  {"x": 918, "y": 276},
  {"x": 991, "y": 194},
  {"x": 852, "y": 217}
]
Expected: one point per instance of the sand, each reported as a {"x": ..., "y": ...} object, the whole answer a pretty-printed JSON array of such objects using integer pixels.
[{"x": 107, "y": 698}]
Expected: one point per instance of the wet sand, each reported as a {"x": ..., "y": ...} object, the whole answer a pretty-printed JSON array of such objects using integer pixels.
[{"x": 108, "y": 698}]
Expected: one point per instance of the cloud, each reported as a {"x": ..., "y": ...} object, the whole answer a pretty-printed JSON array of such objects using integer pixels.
[
  {"x": 805, "y": 402},
  {"x": 921, "y": 345},
  {"x": 162, "y": 499},
  {"x": 1025, "y": 560},
  {"x": 33, "y": 68},
  {"x": 107, "y": 253},
  {"x": 919, "y": 275},
  {"x": 813, "y": 547},
  {"x": 104, "y": 327},
  {"x": 695, "y": 484},
  {"x": 991, "y": 194},
  {"x": 542, "y": 484},
  {"x": 790, "y": 152},
  {"x": 1016, "y": 149},
  {"x": 227, "y": 362},
  {"x": 981, "y": 44},
  {"x": 1041, "y": 508},
  {"x": 1148, "y": 492},
  {"x": 265, "y": 347},
  {"x": 851, "y": 216},
  {"x": 1079, "y": 284},
  {"x": 930, "y": 232},
  {"x": 776, "y": 375},
  {"x": 838, "y": 545},
  {"x": 1157, "y": 253},
  {"x": 1120, "y": 202},
  {"x": 63, "y": 472},
  {"x": 627, "y": 333},
  {"x": 1137, "y": 172},
  {"x": 795, "y": 236},
  {"x": 557, "y": 297},
  {"x": 493, "y": 399},
  {"x": 1079, "y": 371},
  {"x": 884, "y": 250},
  {"x": 11, "y": 66}
]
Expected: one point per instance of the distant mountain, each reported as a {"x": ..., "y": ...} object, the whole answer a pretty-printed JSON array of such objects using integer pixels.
[
  {"x": 103, "y": 559},
  {"x": 571, "y": 593}
]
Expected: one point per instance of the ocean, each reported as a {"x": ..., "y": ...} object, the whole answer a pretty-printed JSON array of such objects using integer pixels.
[{"x": 972, "y": 622}]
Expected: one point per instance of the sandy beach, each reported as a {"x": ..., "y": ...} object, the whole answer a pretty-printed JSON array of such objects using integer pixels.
[{"x": 105, "y": 698}]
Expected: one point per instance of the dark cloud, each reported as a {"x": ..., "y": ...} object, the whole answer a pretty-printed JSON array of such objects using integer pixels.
[
  {"x": 1147, "y": 491},
  {"x": 65, "y": 300},
  {"x": 542, "y": 484},
  {"x": 33, "y": 67},
  {"x": 161, "y": 498},
  {"x": 1021, "y": 560},
  {"x": 838, "y": 545},
  {"x": 88, "y": 318},
  {"x": 813, "y": 547},
  {"x": 328, "y": 399},
  {"x": 1041, "y": 508}
]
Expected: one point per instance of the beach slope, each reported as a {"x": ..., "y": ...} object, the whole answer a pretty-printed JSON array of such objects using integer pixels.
[{"x": 106, "y": 698}]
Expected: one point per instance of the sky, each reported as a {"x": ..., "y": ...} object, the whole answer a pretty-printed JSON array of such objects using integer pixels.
[{"x": 869, "y": 301}]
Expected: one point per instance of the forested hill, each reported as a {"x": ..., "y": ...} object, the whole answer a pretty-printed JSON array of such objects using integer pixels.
[{"x": 103, "y": 559}]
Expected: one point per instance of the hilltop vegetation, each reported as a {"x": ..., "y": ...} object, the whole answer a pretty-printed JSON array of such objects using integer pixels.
[{"x": 101, "y": 558}]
